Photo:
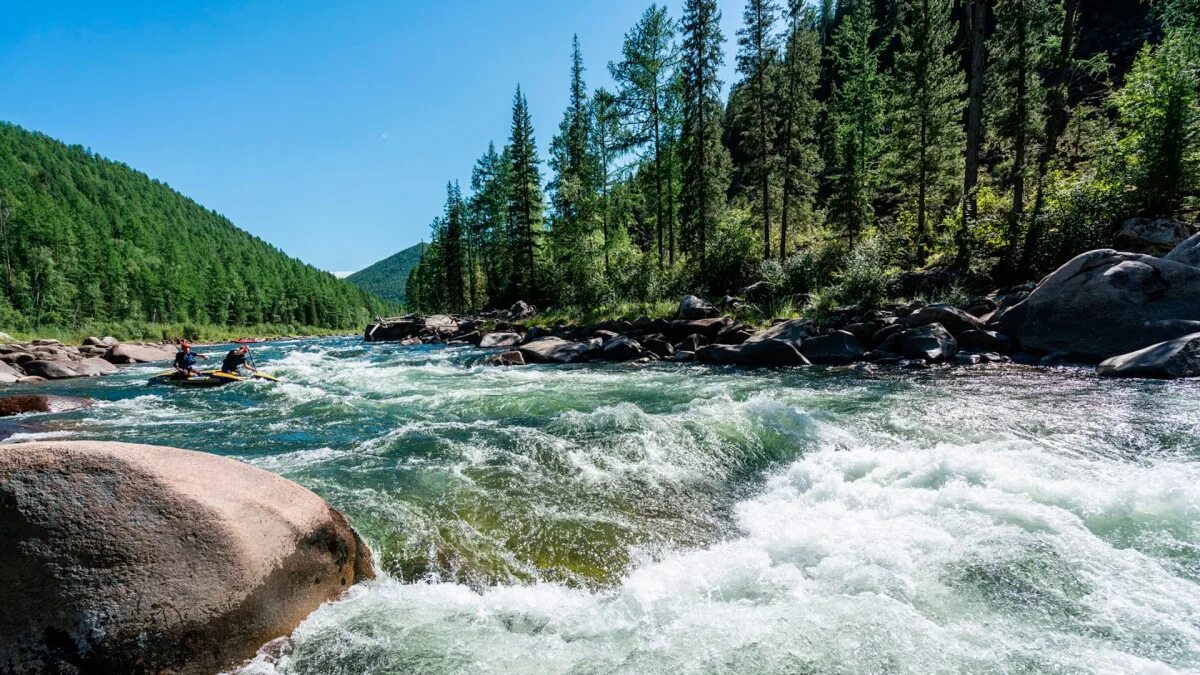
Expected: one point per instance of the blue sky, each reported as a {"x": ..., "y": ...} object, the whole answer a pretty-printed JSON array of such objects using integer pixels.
[{"x": 327, "y": 128}]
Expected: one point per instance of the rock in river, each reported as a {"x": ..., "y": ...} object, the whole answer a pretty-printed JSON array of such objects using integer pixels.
[
  {"x": 490, "y": 340},
  {"x": 554, "y": 350},
  {"x": 1171, "y": 359},
  {"x": 140, "y": 353},
  {"x": 18, "y": 405},
  {"x": 837, "y": 348},
  {"x": 1104, "y": 303},
  {"x": 59, "y": 370},
  {"x": 126, "y": 558},
  {"x": 931, "y": 343}
]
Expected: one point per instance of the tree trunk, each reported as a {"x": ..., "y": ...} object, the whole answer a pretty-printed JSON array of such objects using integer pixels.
[
  {"x": 975, "y": 17},
  {"x": 1020, "y": 139},
  {"x": 658, "y": 210},
  {"x": 765, "y": 169}
]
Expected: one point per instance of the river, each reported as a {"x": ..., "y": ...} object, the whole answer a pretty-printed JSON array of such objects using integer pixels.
[{"x": 693, "y": 519}]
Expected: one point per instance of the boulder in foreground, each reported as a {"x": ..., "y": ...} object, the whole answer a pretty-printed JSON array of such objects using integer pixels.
[
  {"x": 126, "y": 558},
  {"x": 1171, "y": 359}
]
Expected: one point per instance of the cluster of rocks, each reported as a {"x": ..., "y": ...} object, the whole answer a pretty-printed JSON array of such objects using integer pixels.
[
  {"x": 42, "y": 360},
  {"x": 1135, "y": 314}
]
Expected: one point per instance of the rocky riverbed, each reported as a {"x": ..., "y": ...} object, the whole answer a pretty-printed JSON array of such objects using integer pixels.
[{"x": 1133, "y": 314}]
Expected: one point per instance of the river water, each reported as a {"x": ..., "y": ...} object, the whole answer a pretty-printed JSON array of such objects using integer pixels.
[{"x": 692, "y": 519}]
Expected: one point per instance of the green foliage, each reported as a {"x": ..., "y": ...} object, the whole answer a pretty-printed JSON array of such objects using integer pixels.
[
  {"x": 85, "y": 239},
  {"x": 1159, "y": 125},
  {"x": 925, "y": 159},
  {"x": 856, "y": 115},
  {"x": 845, "y": 131},
  {"x": 388, "y": 277}
]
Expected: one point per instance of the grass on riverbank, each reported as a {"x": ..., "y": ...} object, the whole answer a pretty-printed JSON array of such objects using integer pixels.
[{"x": 133, "y": 331}]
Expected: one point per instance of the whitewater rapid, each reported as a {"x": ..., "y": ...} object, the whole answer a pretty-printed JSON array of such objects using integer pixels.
[{"x": 615, "y": 519}]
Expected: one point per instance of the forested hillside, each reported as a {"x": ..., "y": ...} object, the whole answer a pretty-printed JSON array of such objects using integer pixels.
[
  {"x": 388, "y": 277},
  {"x": 986, "y": 139},
  {"x": 85, "y": 239}
]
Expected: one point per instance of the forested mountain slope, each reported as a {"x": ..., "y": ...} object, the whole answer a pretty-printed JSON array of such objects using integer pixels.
[
  {"x": 85, "y": 239},
  {"x": 387, "y": 278}
]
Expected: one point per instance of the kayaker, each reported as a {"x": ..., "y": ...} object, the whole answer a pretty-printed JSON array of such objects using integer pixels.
[
  {"x": 185, "y": 360},
  {"x": 235, "y": 359}
]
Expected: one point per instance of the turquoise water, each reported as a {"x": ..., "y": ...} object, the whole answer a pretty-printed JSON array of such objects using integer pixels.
[{"x": 686, "y": 519}]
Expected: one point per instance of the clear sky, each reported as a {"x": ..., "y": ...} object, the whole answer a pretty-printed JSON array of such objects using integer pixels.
[{"x": 327, "y": 128}]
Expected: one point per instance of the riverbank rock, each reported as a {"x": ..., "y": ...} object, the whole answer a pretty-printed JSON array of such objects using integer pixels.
[
  {"x": 951, "y": 318},
  {"x": 130, "y": 353},
  {"x": 761, "y": 353},
  {"x": 1104, "y": 303},
  {"x": 1171, "y": 359},
  {"x": 1152, "y": 236},
  {"x": 622, "y": 348},
  {"x": 932, "y": 343},
  {"x": 126, "y": 558},
  {"x": 61, "y": 370},
  {"x": 1187, "y": 252},
  {"x": 491, "y": 340},
  {"x": 9, "y": 374},
  {"x": 692, "y": 308},
  {"x": 19, "y": 405},
  {"x": 837, "y": 348},
  {"x": 985, "y": 341},
  {"x": 511, "y": 358},
  {"x": 794, "y": 331},
  {"x": 554, "y": 350}
]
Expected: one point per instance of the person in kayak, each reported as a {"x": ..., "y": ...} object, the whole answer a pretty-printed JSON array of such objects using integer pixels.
[
  {"x": 235, "y": 359},
  {"x": 185, "y": 361}
]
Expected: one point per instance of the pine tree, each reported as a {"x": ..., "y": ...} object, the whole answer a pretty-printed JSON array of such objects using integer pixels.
[
  {"x": 756, "y": 61},
  {"x": 974, "y": 18},
  {"x": 644, "y": 91},
  {"x": 488, "y": 219},
  {"x": 1020, "y": 49},
  {"x": 800, "y": 158},
  {"x": 525, "y": 203},
  {"x": 453, "y": 251},
  {"x": 856, "y": 122},
  {"x": 574, "y": 195},
  {"x": 605, "y": 141},
  {"x": 705, "y": 160},
  {"x": 926, "y": 108}
]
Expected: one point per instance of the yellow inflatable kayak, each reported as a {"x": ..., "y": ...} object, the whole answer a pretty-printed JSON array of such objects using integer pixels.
[{"x": 208, "y": 378}]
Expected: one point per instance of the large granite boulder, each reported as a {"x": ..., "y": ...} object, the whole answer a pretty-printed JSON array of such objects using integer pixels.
[
  {"x": 1187, "y": 252},
  {"x": 692, "y": 307},
  {"x": 837, "y": 348},
  {"x": 1103, "y": 303},
  {"x": 1171, "y": 359},
  {"x": 1152, "y": 236},
  {"x": 554, "y": 350},
  {"x": 124, "y": 353},
  {"x": 126, "y": 558}
]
